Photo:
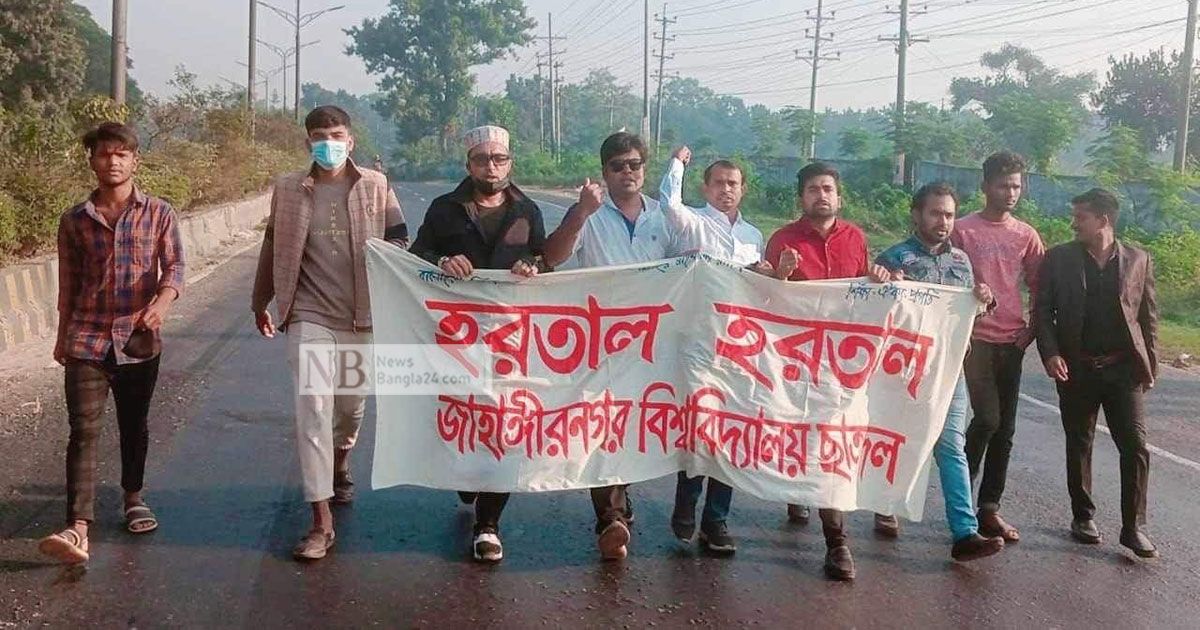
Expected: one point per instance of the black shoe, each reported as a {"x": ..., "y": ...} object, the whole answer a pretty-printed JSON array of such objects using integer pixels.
[
  {"x": 1084, "y": 530},
  {"x": 839, "y": 564},
  {"x": 974, "y": 547},
  {"x": 628, "y": 508},
  {"x": 1139, "y": 543},
  {"x": 715, "y": 536},
  {"x": 467, "y": 498},
  {"x": 887, "y": 526},
  {"x": 797, "y": 513},
  {"x": 343, "y": 488}
]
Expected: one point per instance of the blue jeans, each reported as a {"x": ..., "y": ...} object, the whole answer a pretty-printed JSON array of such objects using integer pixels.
[
  {"x": 716, "y": 504},
  {"x": 951, "y": 458}
]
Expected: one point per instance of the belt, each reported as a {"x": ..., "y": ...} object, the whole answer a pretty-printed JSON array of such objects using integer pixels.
[{"x": 1104, "y": 360}]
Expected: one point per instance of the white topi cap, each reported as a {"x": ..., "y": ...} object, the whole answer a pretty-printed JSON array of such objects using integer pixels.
[{"x": 486, "y": 133}]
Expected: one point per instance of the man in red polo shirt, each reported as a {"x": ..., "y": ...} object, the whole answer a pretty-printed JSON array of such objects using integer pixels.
[{"x": 822, "y": 246}]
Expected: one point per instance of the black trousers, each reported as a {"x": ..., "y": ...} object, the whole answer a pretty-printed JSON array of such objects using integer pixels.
[
  {"x": 611, "y": 503},
  {"x": 993, "y": 373},
  {"x": 489, "y": 506},
  {"x": 1115, "y": 389},
  {"x": 87, "y": 385}
]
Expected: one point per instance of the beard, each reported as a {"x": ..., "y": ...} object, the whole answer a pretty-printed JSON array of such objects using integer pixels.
[{"x": 485, "y": 187}]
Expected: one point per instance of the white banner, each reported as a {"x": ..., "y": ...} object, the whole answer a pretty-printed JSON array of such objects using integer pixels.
[{"x": 830, "y": 394}]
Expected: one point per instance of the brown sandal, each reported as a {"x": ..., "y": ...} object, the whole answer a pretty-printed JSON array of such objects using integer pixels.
[
  {"x": 313, "y": 546},
  {"x": 67, "y": 546}
]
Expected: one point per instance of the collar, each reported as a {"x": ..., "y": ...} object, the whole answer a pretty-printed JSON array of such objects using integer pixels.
[
  {"x": 805, "y": 226},
  {"x": 915, "y": 242},
  {"x": 311, "y": 179},
  {"x": 646, "y": 205},
  {"x": 138, "y": 200},
  {"x": 717, "y": 214}
]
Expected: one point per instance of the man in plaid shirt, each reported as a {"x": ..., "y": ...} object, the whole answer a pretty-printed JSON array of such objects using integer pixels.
[{"x": 120, "y": 269}]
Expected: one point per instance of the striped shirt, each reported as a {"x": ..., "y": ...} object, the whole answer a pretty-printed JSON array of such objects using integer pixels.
[{"x": 107, "y": 274}]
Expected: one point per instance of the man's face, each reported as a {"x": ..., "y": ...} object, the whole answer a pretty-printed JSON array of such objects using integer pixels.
[
  {"x": 724, "y": 189},
  {"x": 113, "y": 163},
  {"x": 337, "y": 133},
  {"x": 625, "y": 173},
  {"x": 934, "y": 220},
  {"x": 489, "y": 162},
  {"x": 819, "y": 199},
  {"x": 1087, "y": 224},
  {"x": 1003, "y": 191}
]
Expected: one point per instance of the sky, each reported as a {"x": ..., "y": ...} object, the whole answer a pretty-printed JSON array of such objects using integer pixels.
[{"x": 745, "y": 48}]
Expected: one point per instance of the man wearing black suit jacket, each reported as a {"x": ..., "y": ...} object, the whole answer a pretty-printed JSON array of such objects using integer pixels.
[{"x": 1097, "y": 332}]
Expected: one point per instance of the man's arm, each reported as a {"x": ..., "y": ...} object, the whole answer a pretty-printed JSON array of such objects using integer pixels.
[
  {"x": 1035, "y": 253},
  {"x": 561, "y": 244},
  {"x": 68, "y": 284},
  {"x": 683, "y": 225},
  {"x": 1148, "y": 317},
  {"x": 171, "y": 256},
  {"x": 426, "y": 244},
  {"x": 395, "y": 229},
  {"x": 264, "y": 275},
  {"x": 1045, "y": 312}
]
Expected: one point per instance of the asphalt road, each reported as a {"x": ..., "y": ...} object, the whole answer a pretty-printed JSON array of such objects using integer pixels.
[{"x": 223, "y": 479}]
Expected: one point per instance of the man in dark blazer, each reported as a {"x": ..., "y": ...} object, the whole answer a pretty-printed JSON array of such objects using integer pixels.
[{"x": 1097, "y": 328}]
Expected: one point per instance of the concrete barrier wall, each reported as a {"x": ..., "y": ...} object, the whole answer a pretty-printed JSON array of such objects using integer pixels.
[{"x": 29, "y": 290}]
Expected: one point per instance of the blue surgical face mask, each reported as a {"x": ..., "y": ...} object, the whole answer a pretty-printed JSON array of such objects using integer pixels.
[{"x": 330, "y": 154}]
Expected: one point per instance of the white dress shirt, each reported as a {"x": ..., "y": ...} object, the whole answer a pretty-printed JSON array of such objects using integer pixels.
[
  {"x": 707, "y": 229},
  {"x": 606, "y": 238}
]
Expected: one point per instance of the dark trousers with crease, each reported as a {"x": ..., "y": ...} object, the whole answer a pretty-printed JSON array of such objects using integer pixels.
[
  {"x": 993, "y": 373},
  {"x": 1117, "y": 390},
  {"x": 87, "y": 384},
  {"x": 489, "y": 506},
  {"x": 611, "y": 503}
]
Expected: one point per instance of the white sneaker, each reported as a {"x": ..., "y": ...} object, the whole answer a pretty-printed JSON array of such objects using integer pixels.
[{"x": 487, "y": 547}]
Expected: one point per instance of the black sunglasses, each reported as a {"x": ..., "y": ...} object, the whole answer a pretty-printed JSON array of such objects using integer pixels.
[
  {"x": 498, "y": 159},
  {"x": 618, "y": 166}
]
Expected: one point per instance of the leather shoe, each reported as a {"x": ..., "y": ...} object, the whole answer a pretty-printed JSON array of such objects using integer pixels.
[
  {"x": 797, "y": 513},
  {"x": 887, "y": 526},
  {"x": 1139, "y": 543},
  {"x": 974, "y": 547},
  {"x": 1084, "y": 530},
  {"x": 839, "y": 564}
]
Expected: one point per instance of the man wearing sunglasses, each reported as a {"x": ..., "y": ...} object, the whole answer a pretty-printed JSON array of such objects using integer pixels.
[
  {"x": 614, "y": 225},
  {"x": 485, "y": 223}
]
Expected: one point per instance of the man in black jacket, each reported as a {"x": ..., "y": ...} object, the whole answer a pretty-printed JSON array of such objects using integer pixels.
[
  {"x": 1097, "y": 331},
  {"x": 485, "y": 223}
]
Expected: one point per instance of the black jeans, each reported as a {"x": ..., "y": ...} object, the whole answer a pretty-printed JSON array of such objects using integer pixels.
[
  {"x": 1118, "y": 391},
  {"x": 87, "y": 384},
  {"x": 611, "y": 503},
  {"x": 993, "y": 373},
  {"x": 489, "y": 506}
]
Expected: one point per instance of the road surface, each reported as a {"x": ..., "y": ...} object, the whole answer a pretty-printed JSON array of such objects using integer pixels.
[{"x": 223, "y": 479}]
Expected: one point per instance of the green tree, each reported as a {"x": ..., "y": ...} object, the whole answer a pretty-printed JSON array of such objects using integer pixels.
[
  {"x": 1118, "y": 157},
  {"x": 800, "y": 122},
  {"x": 856, "y": 143},
  {"x": 41, "y": 56},
  {"x": 1142, "y": 93},
  {"x": 768, "y": 131},
  {"x": 1038, "y": 128},
  {"x": 424, "y": 50}
]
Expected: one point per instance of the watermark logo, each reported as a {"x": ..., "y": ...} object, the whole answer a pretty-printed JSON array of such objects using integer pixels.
[{"x": 326, "y": 369}]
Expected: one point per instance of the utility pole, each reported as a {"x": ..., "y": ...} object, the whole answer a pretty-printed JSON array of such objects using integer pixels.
[
  {"x": 557, "y": 119},
  {"x": 298, "y": 22},
  {"x": 815, "y": 58},
  {"x": 1186, "y": 67},
  {"x": 903, "y": 41},
  {"x": 541, "y": 104},
  {"x": 296, "y": 96},
  {"x": 646, "y": 75},
  {"x": 553, "y": 70},
  {"x": 662, "y": 60},
  {"x": 120, "y": 49},
  {"x": 252, "y": 67}
]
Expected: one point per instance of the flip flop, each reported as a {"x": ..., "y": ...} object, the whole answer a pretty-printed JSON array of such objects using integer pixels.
[
  {"x": 140, "y": 520},
  {"x": 313, "y": 546},
  {"x": 67, "y": 546}
]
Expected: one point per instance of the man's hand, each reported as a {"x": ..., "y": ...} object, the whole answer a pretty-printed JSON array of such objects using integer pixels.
[
  {"x": 60, "y": 351},
  {"x": 1025, "y": 338},
  {"x": 262, "y": 321},
  {"x": 1147, "y": 386},
  {"x": 763, "y": 267},
  {"x": 879, "y": 273},
  {"x": 984, "y": 294},
  {"x": 524, "y": 269},
  {"x": 458, "y": 266},
  {"x": 789, "y": 259},
  {"x": 153, "y": 316},
  {"x": 591, "y": 197},
  {"x": 1056, "y": 368},
  {"x": 683, "y": 154}
]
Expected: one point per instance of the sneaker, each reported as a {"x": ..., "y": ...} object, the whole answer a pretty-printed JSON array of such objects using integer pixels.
[
  {"x": 487, "y": 546},
  {"x": 716, "y": 538},
  {"x": 797, "y": 513},
  {"x": 612, "y": 541},
  {"x": 839, "y": 563},
  {"x": 887, "y": 525}
]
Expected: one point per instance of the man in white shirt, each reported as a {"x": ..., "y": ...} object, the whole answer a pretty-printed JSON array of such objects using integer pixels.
[
  {"x": 717, "y": 229},
  {"x": 619, "y": 227}
]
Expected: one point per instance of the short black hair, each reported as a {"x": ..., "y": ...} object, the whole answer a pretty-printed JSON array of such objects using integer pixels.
[
  {"x": 1099, "y": 202},
  {"x": 111, "y": 132},
  {"x": 933, "y": 189},
  {"x": 1001, "y": 164},
  {"x": 816, "y": 169},
  {"x": 725, "y": 164},
  {"x": 326, "y": 116},
  {"x": 622, "y": 142}
]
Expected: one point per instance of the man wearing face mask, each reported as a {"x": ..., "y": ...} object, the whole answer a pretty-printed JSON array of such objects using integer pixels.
[
  {"x": 484, "y": 223},
  {"x": 312, "y": 264}
]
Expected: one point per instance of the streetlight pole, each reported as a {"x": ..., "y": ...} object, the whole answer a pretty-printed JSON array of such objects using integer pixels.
[
  {"x": 252, "y": 66},
  {"x": 298, "y": 22}
]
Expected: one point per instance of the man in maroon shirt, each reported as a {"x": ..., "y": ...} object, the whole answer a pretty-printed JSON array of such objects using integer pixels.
[{"x": 822, "y": 246}]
